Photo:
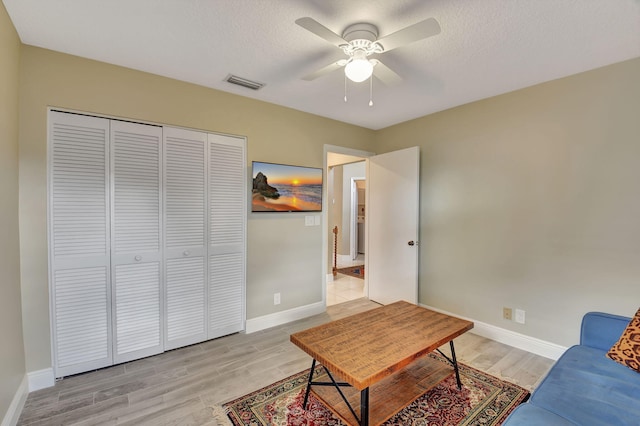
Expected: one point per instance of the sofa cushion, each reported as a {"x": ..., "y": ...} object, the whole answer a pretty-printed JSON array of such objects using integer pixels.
[
  {"x": 531, "y": 415},
  {"x": 601, "y": 330},
  {"x": 626, "y": 350},
  {"x": 587, "y": 388}
]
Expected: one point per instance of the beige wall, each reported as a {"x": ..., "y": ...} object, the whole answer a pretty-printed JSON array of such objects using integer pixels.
[
  {"x": 283, "y": 255},
  {"x": 12, "y": 366},
  {"x": 531, "y": 200}
]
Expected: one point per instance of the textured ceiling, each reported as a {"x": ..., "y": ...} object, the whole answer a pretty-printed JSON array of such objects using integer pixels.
[{"x": 486, "y": 47}]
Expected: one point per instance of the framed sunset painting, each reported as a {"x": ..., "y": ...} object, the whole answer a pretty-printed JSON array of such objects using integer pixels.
[{"x": 285, "y": 188}]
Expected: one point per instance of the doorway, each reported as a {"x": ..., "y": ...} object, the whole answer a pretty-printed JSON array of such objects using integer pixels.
[
  {"x": 345, "y": 171},
  {"x": 347, "y": 260},
  {"x": 391, "y": 221}
]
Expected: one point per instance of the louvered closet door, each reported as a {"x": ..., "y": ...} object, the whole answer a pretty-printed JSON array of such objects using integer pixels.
[
  {"x": 185, "y": 237},
  {"x": 136, "y": 240},
  {"x": 79, "y": 242},
  {"x": 227, "y": 219}
]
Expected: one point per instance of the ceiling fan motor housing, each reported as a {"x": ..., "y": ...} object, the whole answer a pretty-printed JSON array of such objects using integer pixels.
[
  {"x": 361, "y": 37},
  {"x": 363, "y": 31}
]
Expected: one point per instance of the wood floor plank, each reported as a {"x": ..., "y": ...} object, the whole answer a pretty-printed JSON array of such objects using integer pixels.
[
  {"x": 68, "y": 417},
  {"x": 104, "y": 384},
  {"x": 124, "y": 414}
]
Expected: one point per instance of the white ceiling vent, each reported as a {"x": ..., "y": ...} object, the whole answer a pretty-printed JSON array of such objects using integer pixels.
[{"x": 234, "y": 79}]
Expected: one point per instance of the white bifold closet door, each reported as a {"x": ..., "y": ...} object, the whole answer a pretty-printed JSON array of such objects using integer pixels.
[
  {"x": 185, "y": 236},
  {"x": 227, "y": 218},
  {"x": 147, "y": 239},
  {"x": 136, "y": 240},
  {"x": 79, "y": 234},
  {"x": 205, "y": 240}
]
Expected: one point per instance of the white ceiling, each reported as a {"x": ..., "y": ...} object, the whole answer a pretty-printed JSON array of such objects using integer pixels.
[{"x": 486, "y": 47}]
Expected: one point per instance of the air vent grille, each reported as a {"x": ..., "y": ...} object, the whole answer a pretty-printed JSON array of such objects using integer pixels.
[{"x": 234, "y": 79}]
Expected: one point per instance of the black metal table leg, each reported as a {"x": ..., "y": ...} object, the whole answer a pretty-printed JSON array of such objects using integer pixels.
[
  {"x": 364, "y": 395},
  {"x": 364, "y": 407},
  {"x": 455, "y": 365},
  {"x": 306, "y": 394},
  {"x": 453, "y": 361}
]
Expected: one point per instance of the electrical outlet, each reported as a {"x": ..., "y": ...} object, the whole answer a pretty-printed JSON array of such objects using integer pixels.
[
  {"x": 520, "y": 316},
  {"x": 507, "y": 313},
  {"x": 276, "y": 298}
]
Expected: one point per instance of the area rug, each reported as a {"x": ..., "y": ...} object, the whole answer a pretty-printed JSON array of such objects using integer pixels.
[
  {"x": 354, "y": 271},
  {"x": 484, "y": 400}
]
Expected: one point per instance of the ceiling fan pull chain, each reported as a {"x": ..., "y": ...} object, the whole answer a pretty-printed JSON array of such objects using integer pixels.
[
  {"x": 371, "y": 90},
  {"x": 345, "y": 88}
]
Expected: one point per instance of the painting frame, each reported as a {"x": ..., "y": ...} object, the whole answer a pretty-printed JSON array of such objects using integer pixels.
[{"x": 286, "y": 188}]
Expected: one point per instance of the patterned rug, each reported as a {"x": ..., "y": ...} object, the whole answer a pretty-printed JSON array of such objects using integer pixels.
[
  {"x": 484, "y": 400},
  {"x": 354, "y": 271}
]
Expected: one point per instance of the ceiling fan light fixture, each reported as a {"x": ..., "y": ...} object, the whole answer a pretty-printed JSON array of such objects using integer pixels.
[{"x": 359, "y": 68}]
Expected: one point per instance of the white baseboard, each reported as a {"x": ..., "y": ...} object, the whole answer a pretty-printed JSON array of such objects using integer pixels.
[
  {"x": 508, "y": 337},
  {"x": 279, "y": 318},
  {"x": 511, "y": 338},
  {"x": 41, "y": 379},
  {"x": 329, "y": 278},
  {"x": 17, "y": 404}
]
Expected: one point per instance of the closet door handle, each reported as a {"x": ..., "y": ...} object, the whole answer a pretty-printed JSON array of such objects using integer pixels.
[
  {"x": 138, "y": 258},
  {"x": 186, "y": 252}
]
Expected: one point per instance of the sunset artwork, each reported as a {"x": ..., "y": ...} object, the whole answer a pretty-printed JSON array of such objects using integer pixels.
[{"x": 284, "y": 188}]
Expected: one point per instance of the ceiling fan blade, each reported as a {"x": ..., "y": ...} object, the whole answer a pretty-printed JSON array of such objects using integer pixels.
[
  {"x": 325, "y": 70},
  {"x": 321, "y": 31},
  {"x": 385, "y": 74},
  {"x": 421, "y": 30}
]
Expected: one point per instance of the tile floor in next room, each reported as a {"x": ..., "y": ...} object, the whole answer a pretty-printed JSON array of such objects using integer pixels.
[
  {"x": 182, "y": 386},
  {"x": 344, "y": 288}
]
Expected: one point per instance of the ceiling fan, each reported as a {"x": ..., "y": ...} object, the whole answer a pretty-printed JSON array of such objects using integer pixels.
[{"x": 359, "y": 41}]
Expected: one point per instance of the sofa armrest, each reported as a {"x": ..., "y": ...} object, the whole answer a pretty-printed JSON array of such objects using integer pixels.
[{"x": 600, "y": 330}]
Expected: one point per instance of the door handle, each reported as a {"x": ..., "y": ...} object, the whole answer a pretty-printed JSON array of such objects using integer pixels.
[{"x": 411, "y": 243}]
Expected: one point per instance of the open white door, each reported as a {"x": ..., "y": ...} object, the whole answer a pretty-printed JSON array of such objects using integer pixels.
[{"x": 393, "y": 217}]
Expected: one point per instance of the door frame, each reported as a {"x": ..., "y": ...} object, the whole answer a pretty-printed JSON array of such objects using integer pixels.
[{"x": 327, "y": 276}]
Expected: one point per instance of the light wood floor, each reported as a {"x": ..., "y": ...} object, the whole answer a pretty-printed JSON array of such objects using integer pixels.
[{"x": 183, "y": 386}]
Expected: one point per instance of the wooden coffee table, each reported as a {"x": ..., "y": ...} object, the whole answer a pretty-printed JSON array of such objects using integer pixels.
[{"x": 379, "y": 354}]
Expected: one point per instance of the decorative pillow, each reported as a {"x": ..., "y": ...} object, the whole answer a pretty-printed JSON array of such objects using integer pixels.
[{"x": 627, "y": 350}]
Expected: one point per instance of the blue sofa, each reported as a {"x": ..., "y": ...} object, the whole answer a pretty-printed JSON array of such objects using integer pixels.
[{"x": 584, "y": 387}]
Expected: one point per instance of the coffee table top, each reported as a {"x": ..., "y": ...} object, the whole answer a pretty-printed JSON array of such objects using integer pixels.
[{"x": 364, "y": 348}]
